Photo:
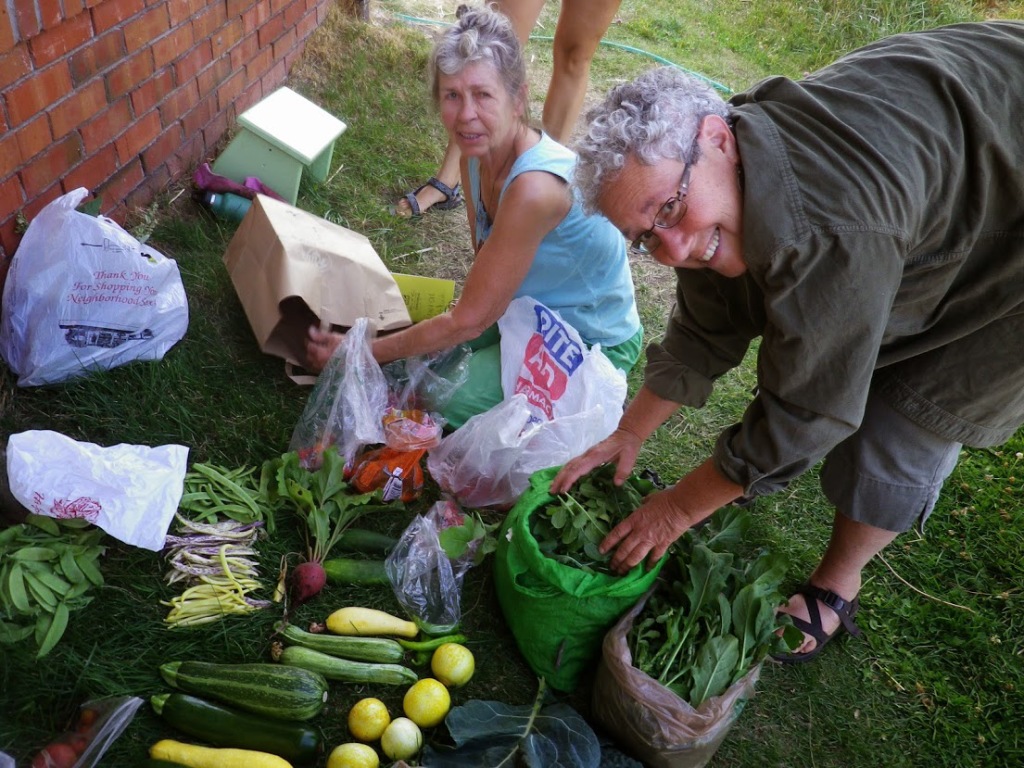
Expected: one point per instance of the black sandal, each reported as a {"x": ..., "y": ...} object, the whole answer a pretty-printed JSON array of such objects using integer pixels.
[
  {"x": 844, "y": 609},
  {"x": 452, "y": 197}
]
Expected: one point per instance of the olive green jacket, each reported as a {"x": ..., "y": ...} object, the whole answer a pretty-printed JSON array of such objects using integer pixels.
[{"x": 883, "y": 228}]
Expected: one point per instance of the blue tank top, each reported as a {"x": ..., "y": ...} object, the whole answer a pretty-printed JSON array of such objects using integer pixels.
[{"x": 581, "y": 268}]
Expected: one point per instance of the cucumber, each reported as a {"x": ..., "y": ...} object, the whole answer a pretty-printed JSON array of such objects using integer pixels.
[
  {"x": 346, "y": 670},
  {"x": 374, "y": 649},
  {"x": 367, "y": 542},
  {"x": 286, "y": 693},
  {"x": 347, "y": 570},
  {"x": 223, "y": 726}
]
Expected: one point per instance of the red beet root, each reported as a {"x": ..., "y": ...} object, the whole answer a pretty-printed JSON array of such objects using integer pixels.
[{"x": 307, "y": 580}]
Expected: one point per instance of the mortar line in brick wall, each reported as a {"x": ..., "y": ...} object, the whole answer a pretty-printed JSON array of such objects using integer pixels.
[{"x": 12, "y": 17}]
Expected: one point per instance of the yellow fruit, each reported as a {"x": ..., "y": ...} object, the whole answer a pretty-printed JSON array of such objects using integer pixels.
[
  {"x": 402, "y": 739},
  {"x": 353, "y": 755},
  {"x": 453, "y": 664},
  {"x": 426, "y": 702},
  {"x": 367, "y": 719}
]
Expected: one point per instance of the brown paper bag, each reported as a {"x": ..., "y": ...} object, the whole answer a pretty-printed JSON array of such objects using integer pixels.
[{"x": 292, "y": 269}]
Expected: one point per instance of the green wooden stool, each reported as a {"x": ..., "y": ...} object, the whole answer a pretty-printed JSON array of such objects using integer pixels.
[{"x": 279, "y": 136}]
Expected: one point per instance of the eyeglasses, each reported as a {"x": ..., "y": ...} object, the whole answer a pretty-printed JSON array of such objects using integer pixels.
[{"x": 670, "y": 214}]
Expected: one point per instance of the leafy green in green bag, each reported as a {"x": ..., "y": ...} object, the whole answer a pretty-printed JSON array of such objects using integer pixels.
[{"x": 557, "y": 612}]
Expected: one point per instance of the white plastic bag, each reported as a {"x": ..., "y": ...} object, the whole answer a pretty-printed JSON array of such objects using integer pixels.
[
  {"x": 488, "y": 461},
  {"x": 560, "y": 399},
  {"x": 347, "y": 403},
  {"x": 82, "y": 294},
  {"x": 130, "y": 491}
]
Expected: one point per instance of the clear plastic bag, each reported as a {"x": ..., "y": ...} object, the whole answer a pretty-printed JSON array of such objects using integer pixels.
[
  {"x": 426, "y": 582},
  {"x": 488, "y": 461},
  {"x": 650, "y": 721},
  {"x": 427, "y": 382},
  {"x": 100, "y": 722},
  {"x": 347, "y": 403}
]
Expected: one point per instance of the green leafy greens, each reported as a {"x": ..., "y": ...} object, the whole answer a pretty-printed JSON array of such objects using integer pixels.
[
  {"x": 571, "y": 527},
  {"x": 714, "y": 619},
  {"x": 321, "y": 498}
]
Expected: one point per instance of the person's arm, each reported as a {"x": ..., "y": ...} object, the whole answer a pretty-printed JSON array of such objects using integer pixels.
[{"x": 533, "y": 205}]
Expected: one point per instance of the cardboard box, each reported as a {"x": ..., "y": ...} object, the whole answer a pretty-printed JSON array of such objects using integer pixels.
[{"x": 292, "y": 269}]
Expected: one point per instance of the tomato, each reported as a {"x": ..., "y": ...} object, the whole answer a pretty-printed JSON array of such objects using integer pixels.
[{"x": 55, "y": 756}]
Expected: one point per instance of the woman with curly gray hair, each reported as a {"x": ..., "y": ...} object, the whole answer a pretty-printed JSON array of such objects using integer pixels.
[
  {"x": 867, "y": 224},
  {"x": 530, "y": 234}
]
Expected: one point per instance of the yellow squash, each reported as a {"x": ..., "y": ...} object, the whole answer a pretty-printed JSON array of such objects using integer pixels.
[
  {"x": 194, "y": 756},
  {"x": 369, "y": 622}
]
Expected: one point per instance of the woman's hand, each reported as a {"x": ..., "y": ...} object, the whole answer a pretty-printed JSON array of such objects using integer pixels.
[
  {"x": 320, "y": 345},
  {"x": 647, "y": 533},
  {"x": 666, "y": 515},
  {"x": 621, "y": 446}
]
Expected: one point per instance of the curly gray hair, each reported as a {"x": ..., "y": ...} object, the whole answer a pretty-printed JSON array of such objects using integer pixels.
[
  {"x": 655, "y": 117},
  {"x": 479, "y": 34}
]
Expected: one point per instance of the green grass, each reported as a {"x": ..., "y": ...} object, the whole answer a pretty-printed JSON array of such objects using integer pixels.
[{"x": 936, "y": 682}]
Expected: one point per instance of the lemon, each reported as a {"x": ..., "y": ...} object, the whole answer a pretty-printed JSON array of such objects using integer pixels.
[
  {"x": 402, "y": 739},
  {"x": 426, "y": 702},
  {"x": 353, "y": 755},
  {"x": 453, "y": 664},
  {"x": 367, "y": 719}
]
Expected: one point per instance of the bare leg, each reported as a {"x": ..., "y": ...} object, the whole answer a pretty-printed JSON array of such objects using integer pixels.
[
  {"x": 850, "y": 548},
  {"x": 581, "y": 25}
]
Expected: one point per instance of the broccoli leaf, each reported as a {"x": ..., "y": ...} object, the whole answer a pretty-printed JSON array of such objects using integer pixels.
[{"x": 491, "y": 734}]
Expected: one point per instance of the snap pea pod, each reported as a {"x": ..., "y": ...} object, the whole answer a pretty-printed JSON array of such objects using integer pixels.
[{"x": 46, "y": 568}]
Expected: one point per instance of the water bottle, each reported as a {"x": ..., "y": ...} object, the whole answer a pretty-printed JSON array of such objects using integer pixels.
[{"x": 226, "y": 205}]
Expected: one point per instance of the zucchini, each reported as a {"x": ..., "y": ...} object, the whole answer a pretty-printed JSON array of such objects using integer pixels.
[
  {"x": 194, "y": 756},
  {"x": 375, "y": 649},
  {"x": 154, "y": 763},
  {"x": 369, "y": 621},
  {"x": 348, "y": 570},
  {"x": 346, "y": 670},
  {"x": 367, "y": 542},
  {"x": 223, "y": 726},
  {"x": 286, "y": 693}
]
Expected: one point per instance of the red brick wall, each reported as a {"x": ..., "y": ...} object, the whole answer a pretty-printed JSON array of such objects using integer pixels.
[{"x": 125, "y": 96}]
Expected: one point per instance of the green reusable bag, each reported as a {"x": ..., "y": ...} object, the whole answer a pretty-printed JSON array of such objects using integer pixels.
[{"x": 557, "y": 614}]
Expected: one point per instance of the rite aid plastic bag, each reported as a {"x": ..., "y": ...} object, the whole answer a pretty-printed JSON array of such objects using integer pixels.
[
  {"x": 561, "y": 398},
  {"x": 130, "y": 491},
  {"x": 82, "y": 295},
  {"x": 544, "y": 358}
]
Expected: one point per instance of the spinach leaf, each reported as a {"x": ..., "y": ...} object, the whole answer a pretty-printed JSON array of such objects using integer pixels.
[{"x": 713, "y": 617}]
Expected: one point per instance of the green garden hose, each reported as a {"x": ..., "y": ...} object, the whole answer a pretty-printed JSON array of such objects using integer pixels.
[{"x": 718, "y": 86}]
